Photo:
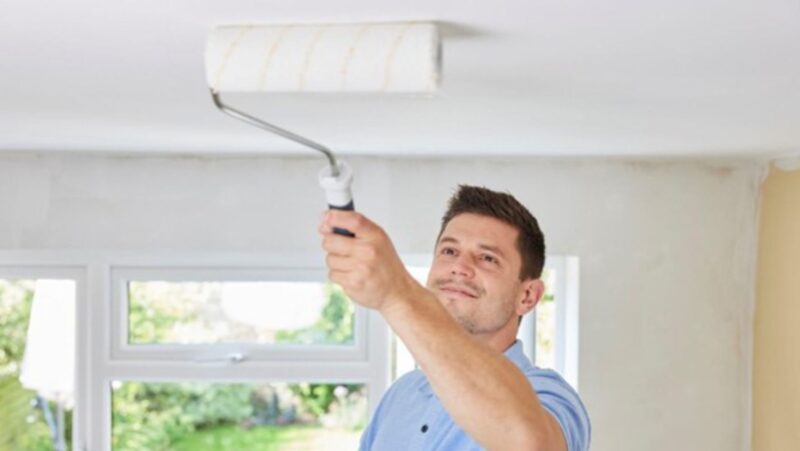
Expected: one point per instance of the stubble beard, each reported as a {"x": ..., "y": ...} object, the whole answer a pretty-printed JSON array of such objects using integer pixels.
[{"x": 470, "y": 320}]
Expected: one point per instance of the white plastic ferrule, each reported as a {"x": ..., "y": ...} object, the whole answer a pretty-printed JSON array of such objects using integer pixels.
[{"x": 337, "y": 189}]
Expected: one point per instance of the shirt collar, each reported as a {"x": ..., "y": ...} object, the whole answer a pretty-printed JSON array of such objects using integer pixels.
[{"x": 514, "y": 353}]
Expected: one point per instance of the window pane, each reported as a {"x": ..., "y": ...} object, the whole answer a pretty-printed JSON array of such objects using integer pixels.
[
  {"x": 192, "y": 416},
  {"x": 239, "y": 312},
  {"x": 36, "y": 363},
  {"x": 402, "y": 360},
  {"x": 546, "y": 324}
]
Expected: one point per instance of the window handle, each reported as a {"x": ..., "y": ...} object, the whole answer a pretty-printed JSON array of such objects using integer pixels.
[{"x": 232, "y": 358}]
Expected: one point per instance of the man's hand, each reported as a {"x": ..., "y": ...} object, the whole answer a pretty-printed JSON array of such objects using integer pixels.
[{"x": 367, "y": 266}]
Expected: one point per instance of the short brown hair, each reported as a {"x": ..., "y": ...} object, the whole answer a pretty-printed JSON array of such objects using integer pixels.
[{"x": 502, "y": 206}]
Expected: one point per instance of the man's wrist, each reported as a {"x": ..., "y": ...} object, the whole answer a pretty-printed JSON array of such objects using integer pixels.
[{"x": 402, "y": 300}]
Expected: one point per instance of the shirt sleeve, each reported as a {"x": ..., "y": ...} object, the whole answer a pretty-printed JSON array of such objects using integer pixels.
[
  {"x": 368, "y": 436},
  {"x": 561, "y": 401}
]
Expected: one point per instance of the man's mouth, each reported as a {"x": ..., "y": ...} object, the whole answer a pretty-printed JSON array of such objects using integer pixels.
[{"x": 464, "y": 292}]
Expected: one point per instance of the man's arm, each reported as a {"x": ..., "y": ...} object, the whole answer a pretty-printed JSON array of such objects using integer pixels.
[{"x": 484, "y": 393}]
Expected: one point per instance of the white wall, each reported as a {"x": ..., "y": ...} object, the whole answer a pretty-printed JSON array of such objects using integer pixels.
[{"x": 666, "y": 255}]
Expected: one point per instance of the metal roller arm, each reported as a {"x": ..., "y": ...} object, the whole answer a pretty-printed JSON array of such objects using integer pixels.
[{"x": 252, "y": 120}]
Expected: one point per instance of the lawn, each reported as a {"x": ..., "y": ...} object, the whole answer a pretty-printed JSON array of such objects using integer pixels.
[{"x": 270, "y": 438}]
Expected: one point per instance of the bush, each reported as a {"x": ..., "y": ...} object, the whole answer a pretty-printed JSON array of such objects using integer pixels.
[{"x": 152, "y": 416}]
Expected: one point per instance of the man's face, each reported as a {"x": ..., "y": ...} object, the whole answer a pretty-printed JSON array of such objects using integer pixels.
[{"x": 475, "y": 272}]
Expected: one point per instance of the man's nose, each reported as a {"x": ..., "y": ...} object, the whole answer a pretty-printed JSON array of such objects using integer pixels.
[{"x": 462, "y": 266}]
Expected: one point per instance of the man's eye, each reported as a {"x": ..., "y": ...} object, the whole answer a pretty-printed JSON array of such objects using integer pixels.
[
  {"x": 489, "y": 259},
  {"x": 448, "y": 251}
]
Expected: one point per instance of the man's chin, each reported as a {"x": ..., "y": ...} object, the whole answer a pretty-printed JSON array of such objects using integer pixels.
[
  {"x": 451, "y": 305},
  {"x": 465, "y": 322}
]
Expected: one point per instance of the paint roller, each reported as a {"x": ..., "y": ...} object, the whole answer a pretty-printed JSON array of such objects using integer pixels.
[{"x": 403, "y": 58}]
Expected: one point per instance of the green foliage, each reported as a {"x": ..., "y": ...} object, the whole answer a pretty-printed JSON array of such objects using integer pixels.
[
  {"x": 317, "y": 398},
  {"x": 205, "y": 416},
  {"x": 138, "y": 424},
  {"x": 152, "y": 416},
  {"x": 336, "y": 322},
  {"x": 218, "y": 403},
  {"x": 151, "y": 320},
  {"x": 16, "y": 431},
  {"x": 15, "y": 311},
  {"x": 22, "y": 425},
  {"x": 268, "y": 438},
  {"x": 335, "y": 325}
]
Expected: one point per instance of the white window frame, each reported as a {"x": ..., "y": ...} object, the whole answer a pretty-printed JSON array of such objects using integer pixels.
[
  {"x": 565, "y": 295},
  {"x": 122, "y": 350},
  {"x": 98, "y": 364}
]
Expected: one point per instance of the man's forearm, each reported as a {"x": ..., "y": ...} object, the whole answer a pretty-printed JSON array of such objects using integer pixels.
[{"x": 484, "y": 392}]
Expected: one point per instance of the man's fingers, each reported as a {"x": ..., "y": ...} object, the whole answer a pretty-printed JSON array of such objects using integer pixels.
[
  {"x": 339, "y": 263},
  {"x": 353, "y": 221},
  {"x": 337, "y": 244},
  {"x": 341, "y": 278}
]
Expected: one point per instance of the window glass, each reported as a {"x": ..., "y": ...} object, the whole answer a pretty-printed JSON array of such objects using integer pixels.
[
  {"x": 37, "y": 353},
  {"x": 219, "y": 416},
  {"x": 168, "y": 312},
  {"x": 545, "y": 313}
]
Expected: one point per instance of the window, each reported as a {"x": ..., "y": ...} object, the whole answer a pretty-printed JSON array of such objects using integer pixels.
[
  {"x": 240, "y": 355},
  {"x": 214, "y": 314},
  {"x": 184, "y": 351}
]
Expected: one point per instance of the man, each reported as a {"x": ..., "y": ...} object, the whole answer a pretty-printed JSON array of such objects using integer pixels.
[{"x": 475, "y": 389}]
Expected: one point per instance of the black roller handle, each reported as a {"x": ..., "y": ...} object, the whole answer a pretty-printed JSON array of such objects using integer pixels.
[{"x": 339, "y": 230}]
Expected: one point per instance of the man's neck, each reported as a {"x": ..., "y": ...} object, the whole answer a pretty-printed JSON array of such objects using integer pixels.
[{"x": 500, "y": 341}]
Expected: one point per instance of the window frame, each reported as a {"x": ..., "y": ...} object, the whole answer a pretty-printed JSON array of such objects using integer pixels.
[
  {"x": 97, "y": 367},
  {"x": 565, "y": 296},
  {"x": 122, "y": 350}
]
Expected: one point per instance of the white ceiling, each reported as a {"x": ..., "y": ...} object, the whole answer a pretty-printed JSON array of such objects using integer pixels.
[{"x": 580, "y": 77}]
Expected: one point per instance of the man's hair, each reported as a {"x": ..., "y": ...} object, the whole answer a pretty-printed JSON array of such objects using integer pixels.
[{"x": 502, "y": 206}]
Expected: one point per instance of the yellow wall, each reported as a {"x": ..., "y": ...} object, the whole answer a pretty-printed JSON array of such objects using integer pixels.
[{"x": 776, "y": 364}]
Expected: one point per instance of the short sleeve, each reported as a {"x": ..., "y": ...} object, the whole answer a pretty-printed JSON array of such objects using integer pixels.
[
  {"x": 561, "y": 400},
  {"x": 368, "y": 436}
]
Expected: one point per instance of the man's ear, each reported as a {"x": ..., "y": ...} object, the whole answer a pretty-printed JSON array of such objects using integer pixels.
[{"x": 532, "y": 293}]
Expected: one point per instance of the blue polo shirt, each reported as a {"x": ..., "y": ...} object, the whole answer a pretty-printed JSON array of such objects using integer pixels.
[{"x": 410, "y": 416}]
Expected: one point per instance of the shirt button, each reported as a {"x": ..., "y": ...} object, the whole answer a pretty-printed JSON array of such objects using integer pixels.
[{"x": 424, "y": 428}]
